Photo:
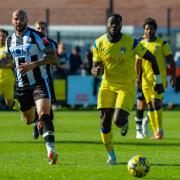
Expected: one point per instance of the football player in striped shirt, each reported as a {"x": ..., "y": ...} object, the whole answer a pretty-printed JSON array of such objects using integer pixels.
[
  {"x": 114, "y": 54},
  {"x": 162, "y": 51},
  {"x": 41, "y": 27},
  {"x": 31, "y": 52}
]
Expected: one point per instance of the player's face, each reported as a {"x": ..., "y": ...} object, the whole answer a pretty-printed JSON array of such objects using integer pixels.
[
  {"x": 61, "y": 48},
  {"x": 2, "y": 38},
  {"x": 149, "y": 31},
  {"x": 19, "y": 21},
  {"x": 114, "y": 25},
  {"x": 41, "y": 28}
]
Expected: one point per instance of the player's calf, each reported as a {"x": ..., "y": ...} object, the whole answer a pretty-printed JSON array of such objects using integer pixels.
[
  {"x": 139, "y": 120},
  {"x": 48, "y": 135}
]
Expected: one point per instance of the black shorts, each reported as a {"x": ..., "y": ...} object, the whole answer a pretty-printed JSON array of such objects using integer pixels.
[
  {"x": 140, "y": 95},
  {"x": 28, "y": 96},
  {"x": 51, "y": 87}
]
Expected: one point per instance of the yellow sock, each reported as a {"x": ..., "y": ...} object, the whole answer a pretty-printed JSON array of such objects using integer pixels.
[
  {"x": 16, "y": 105},
  {"x": 158, "y": 117},
  {"x": 152, "y": 120},
  {"x": 107, "y": 139}
]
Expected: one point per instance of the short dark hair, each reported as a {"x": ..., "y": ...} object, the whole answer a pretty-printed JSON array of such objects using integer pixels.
[
  {"x": 150, "y": 21},
  {"x": 41, "y": 22},
  {"x": 4, "y": 31},
  {"x": 115, "y": 15}
]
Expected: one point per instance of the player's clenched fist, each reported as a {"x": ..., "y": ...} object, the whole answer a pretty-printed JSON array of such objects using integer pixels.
[
  {"x": 159, "y": 88},
  {"x": 96, "y": 71}
]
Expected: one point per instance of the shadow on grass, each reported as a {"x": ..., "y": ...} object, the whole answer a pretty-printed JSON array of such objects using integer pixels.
[
  {"x": 129, "y": 143},
  {"x": 156, "y": 164}
]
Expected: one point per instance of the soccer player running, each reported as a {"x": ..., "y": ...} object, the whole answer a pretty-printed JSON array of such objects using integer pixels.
[
  {"x": 141, "y": 121},
  {"x": 114, "y": 53},
  {"x": 41, "y": 26},
  {"x": 161, "y": 50},
  {"x": 7, "y": 78},
  {"x": 31, "y": 51}
]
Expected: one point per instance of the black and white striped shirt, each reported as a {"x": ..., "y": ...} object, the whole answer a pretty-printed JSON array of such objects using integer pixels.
[{"x": 28, "y": 47}]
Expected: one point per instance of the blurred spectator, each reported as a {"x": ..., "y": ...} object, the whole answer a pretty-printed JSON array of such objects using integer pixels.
[
  {"x": 63, "y": 64},
  {"x": 88, "y": 61},
  {"x": 177, "y": 61},
  {"x": 75, "y": 61},
  {"x": 88, "y": 66}
]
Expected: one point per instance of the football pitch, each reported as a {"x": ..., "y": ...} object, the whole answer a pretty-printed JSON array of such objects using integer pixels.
[{"x": 81, "y": 154}]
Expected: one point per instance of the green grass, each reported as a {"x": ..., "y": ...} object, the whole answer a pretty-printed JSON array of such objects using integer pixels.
[{"x": 81, "y": 154}]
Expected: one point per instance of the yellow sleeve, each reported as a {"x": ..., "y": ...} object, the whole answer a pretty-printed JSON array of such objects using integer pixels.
[
  {"x": 139, "y": 49},
  {"x": 166, "y": 49}
]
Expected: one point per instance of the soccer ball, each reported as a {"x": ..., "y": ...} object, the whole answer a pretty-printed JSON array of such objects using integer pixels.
[{"x": 138, "y": 166}]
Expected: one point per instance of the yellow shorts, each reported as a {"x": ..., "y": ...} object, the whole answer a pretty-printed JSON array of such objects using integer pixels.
[
  {"x": 150, "y": 93},
  {"x": 7, "y": 89},
  {"x": 118, "y": 96}
]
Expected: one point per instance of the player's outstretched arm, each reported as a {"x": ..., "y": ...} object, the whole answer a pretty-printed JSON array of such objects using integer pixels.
[
  {"x": 50, "y": 57},
  {"x": 158, "y": 86},
  {"x": 97, "y": 69}
]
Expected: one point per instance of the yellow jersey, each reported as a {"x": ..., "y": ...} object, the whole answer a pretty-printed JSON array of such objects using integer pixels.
[
  {"x": 5, "y": 73},
  {"x": 118, "y": 58},
  {"x": 160, "y": 49}
]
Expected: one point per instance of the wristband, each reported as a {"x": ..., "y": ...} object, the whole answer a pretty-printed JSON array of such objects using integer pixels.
[{"x": 158, "y": 79}]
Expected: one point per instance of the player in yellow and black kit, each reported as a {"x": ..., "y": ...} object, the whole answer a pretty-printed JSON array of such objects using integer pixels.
[
  {"x": 161, "y": 50},
  {"x": 114, "y": 53},
  {"x": 7, "y": 78}
]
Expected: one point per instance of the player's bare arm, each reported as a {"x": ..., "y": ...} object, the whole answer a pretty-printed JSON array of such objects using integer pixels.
[
  {"x": 170, "y": 60},
  {"x": 49, "y": 58},
  {"x": 158, "y": 86},
  {"x": 97, "y": 69}
]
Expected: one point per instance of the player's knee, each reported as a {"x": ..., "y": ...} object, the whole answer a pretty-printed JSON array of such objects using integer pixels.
[
  {"x": 120, "y": 117},
  {"x": 106, "y": 119},
  {"x": 120, "y": 121}
]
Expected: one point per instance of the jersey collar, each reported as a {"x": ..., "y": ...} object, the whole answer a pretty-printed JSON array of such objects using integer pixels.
[
  {"x": 24, "y": 31},
  {"x": 114, "y": 41}
]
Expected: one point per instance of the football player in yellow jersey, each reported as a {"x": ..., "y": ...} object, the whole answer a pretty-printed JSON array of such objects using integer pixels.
[
  {"x": 161, "y": 50},
  {"x": 7, "y": 78},
  {"x": 114, "y": 55}
]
